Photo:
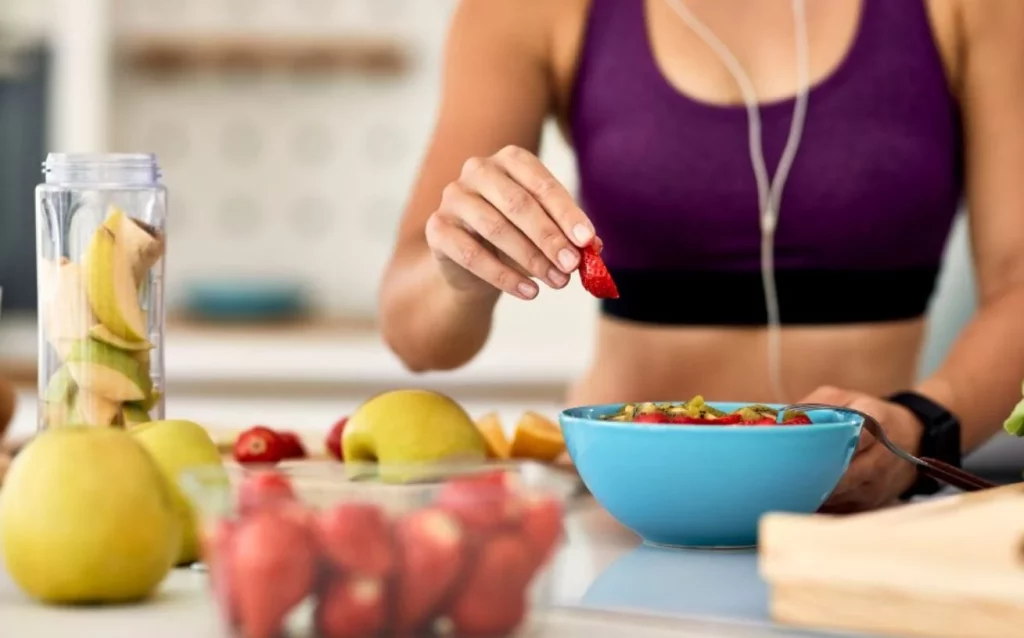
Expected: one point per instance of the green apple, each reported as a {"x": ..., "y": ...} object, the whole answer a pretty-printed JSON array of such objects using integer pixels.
[
  {"x": 1014, "y": 423},
  {"x": 108, "y": 371},
  {"x": 89, "y": 408},
  {"x": 58, "y": 399},
  {"x": 411, "y": 426},
  {"x": 86, "y": 517},
  {"x": 178, "y": 446},
  {"x": 132, "y": 415},
  {"x": 66, "y": 314}
]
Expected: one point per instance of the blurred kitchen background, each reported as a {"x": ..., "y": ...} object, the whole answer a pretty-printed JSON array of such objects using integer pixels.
[{"x": 289, "y": 133}]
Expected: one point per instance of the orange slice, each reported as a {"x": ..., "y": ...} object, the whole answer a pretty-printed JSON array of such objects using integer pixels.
[
  {"x": 494, "y": 436},
  {"x": 537, "y": 438}
]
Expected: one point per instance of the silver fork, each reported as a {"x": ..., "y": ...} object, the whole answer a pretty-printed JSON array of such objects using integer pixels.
[{"x": 936, "y": 469}]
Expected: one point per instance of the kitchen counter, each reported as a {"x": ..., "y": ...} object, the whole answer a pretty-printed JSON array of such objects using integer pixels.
[
  {"x": 315, "y": 356},
  {"x": 604, "y": 584}
]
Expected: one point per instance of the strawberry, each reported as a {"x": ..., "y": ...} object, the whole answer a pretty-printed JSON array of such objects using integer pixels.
[
  {"x": 650, "y": 417},
  {"x": 729, "y": 419},
  {"x": 357, "y": 538},
  {"x": 492, "y": 601},
  {"x": 264, "y": 488},
  {"x": 482, "y": 502},
  {"x": 333, "y": 441},
  {"x": 273, "y": 569},
  {"x": 542, "y": 527},
  {"x": 798, "y": 419},
  {"x": 430, "y": 547},
  {"x": 352, "y": 608},
  {"x": 217, "y": 547},
  {"x": 259, "y": 444},
  {"x": 595, "y": 276},
  {"x": 292, "y": 445},
  {"x": 765, "y": 420}
]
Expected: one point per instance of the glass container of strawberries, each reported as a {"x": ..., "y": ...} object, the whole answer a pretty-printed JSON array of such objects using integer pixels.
[{"x": 345, "y": 551}]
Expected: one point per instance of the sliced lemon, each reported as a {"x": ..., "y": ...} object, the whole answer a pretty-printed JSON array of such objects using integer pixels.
[
  {"x": 498, "y": 446},
  {"x": 537, "y": 438}
]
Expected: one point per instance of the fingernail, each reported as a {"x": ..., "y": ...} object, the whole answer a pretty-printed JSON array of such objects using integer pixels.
[
  {"x": 527, "y": 290},
  {"x": 557, "y": 277},
  {"x": 582, "y": 233},
  {"x": 567, "y": 258}
]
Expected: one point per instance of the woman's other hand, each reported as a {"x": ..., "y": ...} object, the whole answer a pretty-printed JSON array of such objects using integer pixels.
[
  {"x": 505, "y": 222},
  {"x": 876, "y": 477}
]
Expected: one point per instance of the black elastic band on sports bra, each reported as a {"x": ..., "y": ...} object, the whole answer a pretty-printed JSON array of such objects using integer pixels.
[{"x": 806, "y": 297}]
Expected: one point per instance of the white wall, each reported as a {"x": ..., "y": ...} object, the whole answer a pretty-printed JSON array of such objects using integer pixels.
[
  {"x": 955, "y": 301},
  {"x": 27, "y": 15}
]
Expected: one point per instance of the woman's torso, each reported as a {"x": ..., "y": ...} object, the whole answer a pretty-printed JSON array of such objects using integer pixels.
[{"x": 660, "y": 136}]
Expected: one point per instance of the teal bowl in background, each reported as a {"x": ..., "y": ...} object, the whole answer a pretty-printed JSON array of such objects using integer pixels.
[
  {"x": 245, "y": 300},
  {"x": 707, "y": 485}
]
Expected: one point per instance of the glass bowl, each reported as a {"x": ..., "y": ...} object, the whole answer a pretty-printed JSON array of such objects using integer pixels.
[{"x": 329, "y": 550}]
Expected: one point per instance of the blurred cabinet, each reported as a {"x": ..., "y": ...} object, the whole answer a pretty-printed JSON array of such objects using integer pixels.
[{"x": 24, "y": 75}]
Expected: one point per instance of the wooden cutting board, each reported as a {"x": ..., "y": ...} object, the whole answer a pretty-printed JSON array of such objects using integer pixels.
[{"x": 948, "y": 568}]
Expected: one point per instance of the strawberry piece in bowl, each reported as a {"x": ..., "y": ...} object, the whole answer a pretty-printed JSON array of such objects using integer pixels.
[
  {"x": 262, "y": 489},
  {"x": 482, "y": 503},
  {"x": 356, "y": 537}
]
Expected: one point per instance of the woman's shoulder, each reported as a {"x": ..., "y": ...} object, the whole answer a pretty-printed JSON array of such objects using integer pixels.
[{"x": 545, "y": 26}]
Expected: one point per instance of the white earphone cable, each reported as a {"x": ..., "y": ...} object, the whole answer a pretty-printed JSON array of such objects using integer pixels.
[{"x": 769, "y": 190}]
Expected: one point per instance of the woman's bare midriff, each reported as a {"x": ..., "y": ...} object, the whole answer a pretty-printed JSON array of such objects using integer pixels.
[{"x": 636, "y": 362}]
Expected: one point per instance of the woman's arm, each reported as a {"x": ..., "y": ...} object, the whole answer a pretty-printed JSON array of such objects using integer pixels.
[
  {"x": 496, "y": 93},
  {"x": 980, "y": 380}
]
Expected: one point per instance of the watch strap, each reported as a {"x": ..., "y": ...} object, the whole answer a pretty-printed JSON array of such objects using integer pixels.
[{"x": 940, "y": 437}]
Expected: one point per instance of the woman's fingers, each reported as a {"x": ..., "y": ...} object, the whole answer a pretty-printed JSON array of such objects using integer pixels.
[
  {"x": 449, "y": 240},
  {"x": 520, "y": 207},
  {"x": 527, "y": 170},
  {"x": 507, "y": 221},
  {"x": 482, "y": 218}
]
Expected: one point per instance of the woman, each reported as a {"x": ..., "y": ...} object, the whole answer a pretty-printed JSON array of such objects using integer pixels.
[{"x": 912, "y": 104}]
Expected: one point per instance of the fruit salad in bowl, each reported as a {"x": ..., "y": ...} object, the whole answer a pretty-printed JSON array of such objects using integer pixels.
[
  {"x": 325, "y": 552},
  {"x": 701, "y": 474}
]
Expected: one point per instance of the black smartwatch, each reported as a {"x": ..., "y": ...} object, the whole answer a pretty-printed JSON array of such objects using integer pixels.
[{"x": 940, "y": 438}]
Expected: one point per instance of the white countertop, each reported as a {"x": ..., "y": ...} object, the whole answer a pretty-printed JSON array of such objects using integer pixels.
[
  {"x": 511, "y": 357},
  {"x": 595, "y": 584}
]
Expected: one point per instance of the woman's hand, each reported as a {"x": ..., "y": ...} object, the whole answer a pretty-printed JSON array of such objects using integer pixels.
[
  {"x": 505, "y": 222},
  {"x": 876, "y": 477}
]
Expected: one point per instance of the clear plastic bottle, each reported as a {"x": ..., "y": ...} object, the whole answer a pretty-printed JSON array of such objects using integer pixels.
[{"x": 100, "y": 242}]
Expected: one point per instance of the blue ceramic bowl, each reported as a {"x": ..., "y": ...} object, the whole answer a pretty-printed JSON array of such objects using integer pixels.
[{"x": 707, "y": 486}]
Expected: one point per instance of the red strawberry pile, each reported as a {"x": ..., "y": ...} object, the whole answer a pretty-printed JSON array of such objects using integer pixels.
[
  {"x": 728, "y": 419},
  {"x": 697, "y": 412},
  {"x": 462, "y": 564}
]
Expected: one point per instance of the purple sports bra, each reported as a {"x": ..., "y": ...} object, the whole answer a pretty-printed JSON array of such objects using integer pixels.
[{"x": 866, "y": 211}]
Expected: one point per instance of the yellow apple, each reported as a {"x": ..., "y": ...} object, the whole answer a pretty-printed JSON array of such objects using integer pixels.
[
  {"x": 411, "y": 426},
  {"x": 178, "y": 446},
  {"x": 86, "y": 517}
]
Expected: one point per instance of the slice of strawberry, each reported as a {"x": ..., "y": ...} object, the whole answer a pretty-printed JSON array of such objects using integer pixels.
[
  {"x": 595, "y": 276},
  {"x": 651, "y": 417}
]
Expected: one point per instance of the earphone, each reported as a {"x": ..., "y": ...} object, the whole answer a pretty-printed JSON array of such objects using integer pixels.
[{"x": 769, "y": 190}]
